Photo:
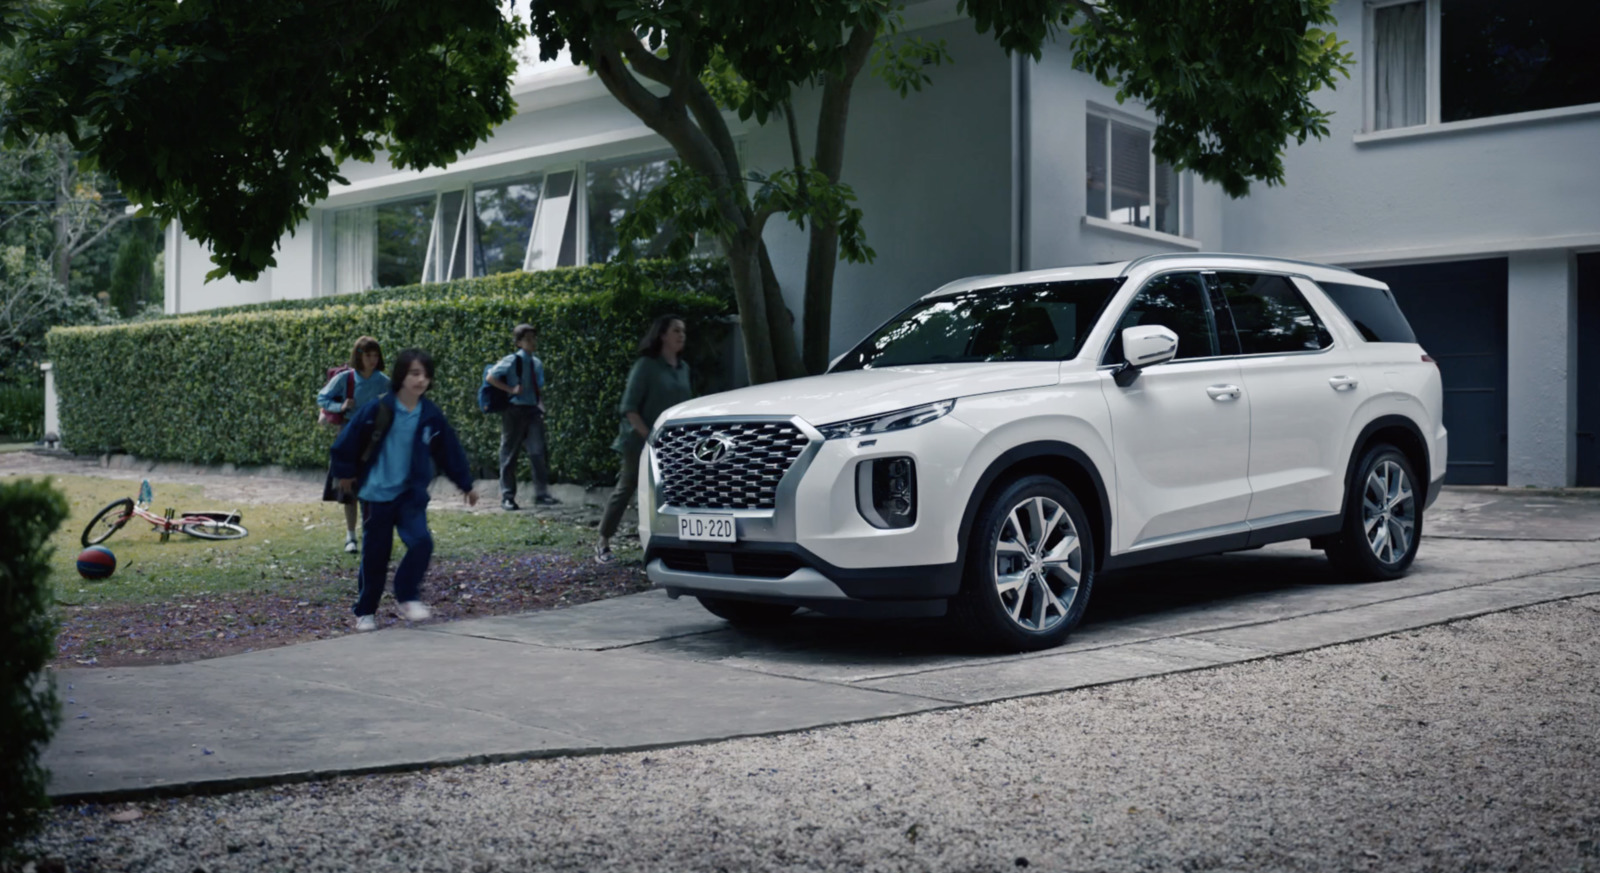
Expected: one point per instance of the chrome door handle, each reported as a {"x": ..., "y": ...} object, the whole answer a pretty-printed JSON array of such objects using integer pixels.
[
  {"x": 1343, "y": 383},
  {"x": 1222, "y": 393}
]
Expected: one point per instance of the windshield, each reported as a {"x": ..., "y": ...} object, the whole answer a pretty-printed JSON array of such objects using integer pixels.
[{"x": 1044, "y": 322}]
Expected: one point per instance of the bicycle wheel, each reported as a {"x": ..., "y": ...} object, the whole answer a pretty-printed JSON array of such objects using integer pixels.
[
  {"x": 212, "y": 529},
  {"x": 108, "y": 521}
]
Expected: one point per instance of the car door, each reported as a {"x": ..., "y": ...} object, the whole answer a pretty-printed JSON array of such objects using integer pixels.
[
  {"x": 1304, "y": 387},
  {"x": 1180, "y": 430}
]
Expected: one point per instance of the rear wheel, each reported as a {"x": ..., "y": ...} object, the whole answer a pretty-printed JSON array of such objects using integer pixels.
[
  {"x": 213, "y": 529},
  {"x": 746, "y": 612},
  {"x": 108, "y": 521},
  {"x": 1382, "y": 519},
  {"x": 1030, "y": 569}
]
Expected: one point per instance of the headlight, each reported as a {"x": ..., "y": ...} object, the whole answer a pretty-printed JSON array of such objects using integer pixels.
[{"x": 900, "y": 419}]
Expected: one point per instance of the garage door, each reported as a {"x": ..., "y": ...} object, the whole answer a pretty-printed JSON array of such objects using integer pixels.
[
  {"x": 1459, "y": 313},
  {"x": 1589, "y": 370}
]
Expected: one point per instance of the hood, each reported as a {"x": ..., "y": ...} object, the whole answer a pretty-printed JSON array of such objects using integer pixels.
[{"x": 856, "y": 393}]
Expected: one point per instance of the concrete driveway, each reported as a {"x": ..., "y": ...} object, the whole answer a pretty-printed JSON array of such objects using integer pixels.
[{"x": 644, "y": 671}]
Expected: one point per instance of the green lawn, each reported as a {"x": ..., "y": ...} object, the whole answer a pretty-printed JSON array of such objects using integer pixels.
[{"x": 289, "y": 544}]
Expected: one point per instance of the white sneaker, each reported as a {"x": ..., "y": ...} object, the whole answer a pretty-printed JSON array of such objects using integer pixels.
[
  {"x": 350, "y": 546},
  {"x": 366, "y": 623},
  {"x": 415, "y": 610}
]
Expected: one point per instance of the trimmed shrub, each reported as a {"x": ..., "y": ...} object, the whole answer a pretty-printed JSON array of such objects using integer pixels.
[
  {"x": 28, "y": 705},
  {"x": 21, "y": 412},
  {"x": 241, "y": 387}
]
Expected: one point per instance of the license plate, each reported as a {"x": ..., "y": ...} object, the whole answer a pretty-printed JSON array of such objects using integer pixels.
[{"x": 707, "y": 528}]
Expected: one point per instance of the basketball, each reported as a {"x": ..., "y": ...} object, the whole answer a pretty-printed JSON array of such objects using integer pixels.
[{"x": 96, "y": 562}]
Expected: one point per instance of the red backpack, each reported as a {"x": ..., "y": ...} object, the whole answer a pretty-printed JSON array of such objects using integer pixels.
[{"x": 336, "y": 419}]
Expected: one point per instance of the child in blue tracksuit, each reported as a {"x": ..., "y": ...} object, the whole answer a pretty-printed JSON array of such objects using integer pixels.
[{"x": 385, "y": 455}]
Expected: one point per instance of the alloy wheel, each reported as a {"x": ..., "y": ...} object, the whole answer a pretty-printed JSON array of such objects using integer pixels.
[
  {"x": 1388, "y": 512},
  {"x": 1038, "y": 564}
]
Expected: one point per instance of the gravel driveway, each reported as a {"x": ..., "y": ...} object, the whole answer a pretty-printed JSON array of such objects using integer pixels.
[{"x": 1468, "y": 746}]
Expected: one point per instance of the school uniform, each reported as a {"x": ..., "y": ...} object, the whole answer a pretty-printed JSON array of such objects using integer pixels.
[
  {"x": 392, "y": 484},
  {"x": 332, "y": 397},
  {"x": 522, "y": 424}
]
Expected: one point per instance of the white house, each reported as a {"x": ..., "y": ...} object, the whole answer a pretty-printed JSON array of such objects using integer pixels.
[{"x": 1463, "y": 168}]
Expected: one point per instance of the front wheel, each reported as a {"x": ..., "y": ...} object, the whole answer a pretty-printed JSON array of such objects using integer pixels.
[
  {"x": 1030, "y": 568},
  {"x": 1382, "y": 519},
  {"x": 212, "y": 529},
  {"x": 746, "y": 612},
  {"x": 108, "y": 521}
]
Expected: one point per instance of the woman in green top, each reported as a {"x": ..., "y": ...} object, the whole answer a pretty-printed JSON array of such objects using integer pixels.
[{"x": 659, "y": 379}]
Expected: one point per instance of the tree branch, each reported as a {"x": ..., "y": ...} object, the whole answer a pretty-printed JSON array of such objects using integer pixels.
[{"x": 78, "y": 249}]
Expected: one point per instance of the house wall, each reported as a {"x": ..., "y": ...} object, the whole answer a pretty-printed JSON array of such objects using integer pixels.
[{"x": 932, "y": 172}]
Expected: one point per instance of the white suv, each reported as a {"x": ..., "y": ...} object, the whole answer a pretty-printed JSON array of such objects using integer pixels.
[{"x": 1005, "y": 439}]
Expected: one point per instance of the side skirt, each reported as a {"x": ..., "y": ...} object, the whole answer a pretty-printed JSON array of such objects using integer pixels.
[{"x": 1322, "y": 526}]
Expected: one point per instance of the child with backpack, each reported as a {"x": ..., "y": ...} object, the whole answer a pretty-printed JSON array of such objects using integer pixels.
[
  {"x": 350, "y": 386},
  {"x": 387, "y": 456},
  {"x": 520, "y": 376}
]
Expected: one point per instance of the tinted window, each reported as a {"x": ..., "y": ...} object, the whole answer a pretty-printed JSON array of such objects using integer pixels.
[
  {"x": 1021, "y": 323},
  {"x": 1175, "y": 301},
  {"x": 1497, "y": 58},
  {"x": 1269, "y": 315},
  {"x": 1373, "y": 310}
]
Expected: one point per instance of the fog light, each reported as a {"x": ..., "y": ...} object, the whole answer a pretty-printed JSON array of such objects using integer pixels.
[{"x": 886, "y": 492}]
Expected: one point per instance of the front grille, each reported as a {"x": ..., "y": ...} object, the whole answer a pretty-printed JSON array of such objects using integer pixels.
[
  {"x": 743, "y": 475},
  {"x": 763, "y": 564}
]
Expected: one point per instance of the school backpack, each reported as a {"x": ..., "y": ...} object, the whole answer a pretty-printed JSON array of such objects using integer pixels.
[
  {"x": 336, "y": 419},
  {"x": 492, "y": 399}
]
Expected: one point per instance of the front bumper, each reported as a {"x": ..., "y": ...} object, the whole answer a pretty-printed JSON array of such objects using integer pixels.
[{"x": 812, "y": 546}]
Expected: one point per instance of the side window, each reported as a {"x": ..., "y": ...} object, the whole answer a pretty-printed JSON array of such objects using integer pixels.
[
  {"x": 1372, "y": 310},
  {"x": 1176, "y": 301},
  {"x": 1269, "y": 315}
]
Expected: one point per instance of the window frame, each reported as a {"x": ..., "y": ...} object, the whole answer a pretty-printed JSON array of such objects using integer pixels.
[
  {"x": 1215, "y": 293},
  {"x": 1112, "y": 116}
]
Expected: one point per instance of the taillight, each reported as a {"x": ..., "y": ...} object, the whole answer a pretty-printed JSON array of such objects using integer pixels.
[{"x": 1428, "y": 359}]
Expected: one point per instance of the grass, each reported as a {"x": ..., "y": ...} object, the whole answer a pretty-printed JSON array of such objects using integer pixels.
[{"x": 289, "y": 545}]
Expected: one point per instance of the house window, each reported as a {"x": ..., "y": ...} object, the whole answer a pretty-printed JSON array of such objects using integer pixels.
[
  {"x": 614, "y": 189},
  {"x": 1125, "y": 184},
  {"x": 504, "y": 214},
  {"x": 1438, "y": 61},
  {"x": 403, "y": 231}
]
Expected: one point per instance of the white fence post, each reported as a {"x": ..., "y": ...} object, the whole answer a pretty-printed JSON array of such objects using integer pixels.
[{"x": 52, "y": 419}]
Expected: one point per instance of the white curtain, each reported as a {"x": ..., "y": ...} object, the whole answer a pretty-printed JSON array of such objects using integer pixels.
[
  {"x": 1400, "y": 66},
  {"x": 354, "y": 249}
]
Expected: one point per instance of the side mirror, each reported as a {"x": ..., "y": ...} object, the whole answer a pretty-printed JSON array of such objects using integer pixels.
[{"x": 1144, "y": 345}]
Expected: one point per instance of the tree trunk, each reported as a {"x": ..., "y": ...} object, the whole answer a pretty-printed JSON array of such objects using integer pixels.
[
  {"x": 780, "y": 323},
  {"x": 822, "y": 255},
  {"x": 744, "y": 263}
]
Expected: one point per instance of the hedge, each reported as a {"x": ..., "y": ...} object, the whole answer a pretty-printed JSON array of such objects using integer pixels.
[
  {"x": 29, "y": 709},
  {"x": 21, "y": 412},
  {"x": 241, "y": 387}
]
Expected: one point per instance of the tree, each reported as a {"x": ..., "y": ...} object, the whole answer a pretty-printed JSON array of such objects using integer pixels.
[
  {"x": 133, "y": 275},
  {"x": 1230, "y": 79},
  {"x": 232, "y": 117},
  {"x": 55, "y": 206}
]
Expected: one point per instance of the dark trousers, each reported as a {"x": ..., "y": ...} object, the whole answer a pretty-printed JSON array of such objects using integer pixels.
[
  {"x": 627, "y": 487},
  {"x": 522, "y": 430},
  {"x": 383, "y": 521}
]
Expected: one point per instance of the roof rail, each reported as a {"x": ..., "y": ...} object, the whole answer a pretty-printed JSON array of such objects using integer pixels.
[{"x": 1137, "y": 262}]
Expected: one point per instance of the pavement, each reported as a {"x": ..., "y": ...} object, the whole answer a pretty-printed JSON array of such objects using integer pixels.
[{"x": 643, "y": 671}]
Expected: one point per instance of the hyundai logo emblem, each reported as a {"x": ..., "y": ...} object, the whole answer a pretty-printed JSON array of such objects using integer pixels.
[{"x": 711, "y": 449}]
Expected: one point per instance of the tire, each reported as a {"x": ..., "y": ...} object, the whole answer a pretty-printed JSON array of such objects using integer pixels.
[
  {"x": 214, "y": 530},
  {"x": 107, "y": 522},
  {"x": 1382, "y": 519},
  {"x": 214, "y": 515},
  {"x": 746, "y": 613},
  {"x": 1030, "y": 567}
]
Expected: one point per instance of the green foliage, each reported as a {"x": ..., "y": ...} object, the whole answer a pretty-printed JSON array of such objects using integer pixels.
[
  {"x": 133, "y": 275},
  {"x": 32, "y": 302},
  {"x": 187, "y": 107},
  {"x": 239, "y": 387},
  {"x": 29, "y": 708},
  {"x": 1230, "y": 80},
  {"x": 21, "y": 412}
]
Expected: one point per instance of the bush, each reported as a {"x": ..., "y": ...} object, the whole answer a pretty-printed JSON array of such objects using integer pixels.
[
  {"x": 21, "y": 412},
  {"x": 240, "y": 387},
  {"x": 28, "y": 705}
]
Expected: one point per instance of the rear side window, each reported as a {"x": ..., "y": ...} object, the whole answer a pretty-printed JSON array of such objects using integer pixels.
[
  {"x": 1269, "y": 315},
  {"x": 1373, "y": 311}
]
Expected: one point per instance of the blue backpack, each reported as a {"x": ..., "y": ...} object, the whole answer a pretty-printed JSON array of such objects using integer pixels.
[{"x": 492, "y": 399}]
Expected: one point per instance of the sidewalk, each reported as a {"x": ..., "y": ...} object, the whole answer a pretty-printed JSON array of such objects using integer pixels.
[{"x": 643, "y": 671}]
